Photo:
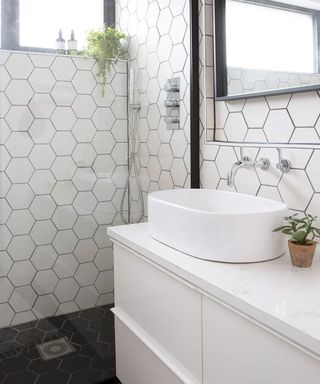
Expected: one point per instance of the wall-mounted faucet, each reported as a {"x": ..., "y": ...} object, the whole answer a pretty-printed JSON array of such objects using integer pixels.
[
  {"x": 283, "y": 165},
  {"x": 172, "y": 103},
  {"x": 247, "y": 163}
]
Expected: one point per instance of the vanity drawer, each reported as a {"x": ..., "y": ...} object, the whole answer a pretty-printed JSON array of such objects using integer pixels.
[
  {"x": 135, "y": 363},
  {"x": 237, "y": 350},
  {"x": 167, "y": 310}
]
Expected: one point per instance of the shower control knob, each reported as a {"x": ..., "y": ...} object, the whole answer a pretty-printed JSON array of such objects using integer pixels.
[{"x": 171, "y": 103}]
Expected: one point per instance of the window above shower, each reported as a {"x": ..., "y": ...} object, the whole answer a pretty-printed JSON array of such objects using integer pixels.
[{"x": 33, "y": 25}]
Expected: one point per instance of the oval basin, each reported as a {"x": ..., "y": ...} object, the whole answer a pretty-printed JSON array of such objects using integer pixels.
[{"x": 217, "y": 225}]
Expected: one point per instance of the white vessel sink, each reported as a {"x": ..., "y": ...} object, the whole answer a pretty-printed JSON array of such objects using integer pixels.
[{"x": 217, "y": 225}]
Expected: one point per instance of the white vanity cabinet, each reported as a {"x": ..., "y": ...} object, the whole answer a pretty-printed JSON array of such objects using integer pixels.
[
  {"x": 158, "y": 319},
  {"x": 174, "y": 326},
  {"x": 237, "y": 350}
]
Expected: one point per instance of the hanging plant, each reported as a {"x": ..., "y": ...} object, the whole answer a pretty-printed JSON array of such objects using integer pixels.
[{"x": 104, "y": 45}]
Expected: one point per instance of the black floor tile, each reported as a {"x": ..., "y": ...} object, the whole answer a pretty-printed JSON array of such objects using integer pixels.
[{"x": 91, "y": 332}]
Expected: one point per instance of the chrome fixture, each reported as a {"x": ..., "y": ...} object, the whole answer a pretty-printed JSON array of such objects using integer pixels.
[
  {"x": 247, "y": 163},
  {"x": 172, "y": 103},
  {"x": 283, "y": 165}
]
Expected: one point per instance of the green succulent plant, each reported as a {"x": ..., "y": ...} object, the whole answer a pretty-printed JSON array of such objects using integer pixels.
[
  {"x": 104, "y": 45},
  {"x": 302, "y": 230}
]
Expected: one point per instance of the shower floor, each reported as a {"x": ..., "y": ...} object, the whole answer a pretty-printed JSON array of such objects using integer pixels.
[{"x": 90, "y": 332}]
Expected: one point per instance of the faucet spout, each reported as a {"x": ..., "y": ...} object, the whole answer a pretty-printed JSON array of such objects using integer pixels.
[
  {"x": 234, "y": 170},
  {"x": 246, "y": 163}
]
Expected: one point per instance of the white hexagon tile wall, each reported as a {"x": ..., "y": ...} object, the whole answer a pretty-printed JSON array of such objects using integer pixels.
[
  {"x": 59, "y": 185},
  {"x": 159, "y": 49},
  {"x": 284, "y": 119}
]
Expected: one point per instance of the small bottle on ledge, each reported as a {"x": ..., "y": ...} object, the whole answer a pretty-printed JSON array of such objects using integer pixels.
[
  {"x": 72, "y": 45},
  {"x": 60, "y": 44}
]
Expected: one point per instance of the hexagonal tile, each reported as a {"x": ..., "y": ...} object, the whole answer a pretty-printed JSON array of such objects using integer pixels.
[
  {"x": 84, "y": 130},
  {"x": 42, "y": 156},
  {"x": 45, "y": 306},
  {"x": 165, "y": 156},
  {"x": 6, "y": 289},
  {"x": 4, "y": 78},
  {"x": 43, "y": 232},
  {"x": 178, "y": 29},
  {"x": 154, "y": 168},
  {"x": 86, "y": 250},
  {"x": 42, "y": 182},
  {"x": 66, "y": 265},
  {"x": 64, "y": 217},
  {"x": 178, "y": 58},
  {"x": 164, "y": 22},
  {"x": 296, "y": 190},
  {"x": 85, "y": 227},
  {"x": 44, "y": 257},
  {"x": 63, "y": 93},
  {"x": 5, "y": 158},
  {"x": 105, "y": 100},
  {"x": 41, "y": 131},
  {"x": 104, "y": 189},
  {"x": 84, "y": 82},
  {"x": 84, "y": 155},
  {"x": 120, "y": 153},
  {"x": 65, "y": 241},
  {"x": 153, "y": 91},
  {"x": 104, "y": 282},
  {"x": 119, "y": 107},
  {"x": 6, "y": 263},
  {"x": 66, "y": 290},
  {"x": 63, "y": 143},
  {"x": 19, "y": 170},
  {"x": 44, "y": 282},
  {"x": 85, "y": 203},
  {"x": 86, "y": 297},
  {"x": 23, "y": 299},
  {"x": 19, "y": 144},
  {"x": 42, "y": 207},
  {"x": 64, "y": 192},
  {"x": 86, "y": 274},
  {"x": 63, "y": 168},
  {"x": 5, "y": 131},
  {"x": 63, "y": 68},
  {"x": 84, "y": 179},
  {"x": 19, "y": 92},
  {"x": 304, "y": 108},
  {"x": 7, "y": 315},
  {"x": 5, "y": 237},
  {"x": 152, "y": 39},
  {"x": 5, "y": 210},
  {"x": 20, "y": 196},
  {"x": 21, "y": 273},
  {"x": 278, "y": 127},
  {"x": 20, "y": 222},
  {"x": 5, "y": 105},
  {"x": 313, "y": 170},
  {"x": 103, "y": 142},
  {"x": 103, "y": 119},
  {"x": 42, "y": 80},
  {"x": 42, "y": 105},
  {"x": 178, "y": 172},
  {"x": 63, "y": 118},
  {"x": 19, "y": 66},
  {"x": 104, "y": 259},
  {"x": 84, "y": 106},
  {"x": 255, "y": 112},
  {"x": 19, "y": 118},
  {"x": 105, "y": 213},
  {"x": 235, "y": 127}
]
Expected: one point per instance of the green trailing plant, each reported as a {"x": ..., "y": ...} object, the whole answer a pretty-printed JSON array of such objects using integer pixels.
[
  {"x": 302, "y": 230},
  {"x": 104, "y": 45}
]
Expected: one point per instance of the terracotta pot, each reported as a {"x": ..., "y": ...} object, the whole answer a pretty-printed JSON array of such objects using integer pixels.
[{"x": 302, "y": 255}]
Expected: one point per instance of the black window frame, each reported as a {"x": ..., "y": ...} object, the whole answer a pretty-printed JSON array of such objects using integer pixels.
[
  {"x": 10, "y": 25},
  {"x": 220, "y": 50}
]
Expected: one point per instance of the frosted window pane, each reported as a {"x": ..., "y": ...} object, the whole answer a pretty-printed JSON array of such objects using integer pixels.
[
  {"x": 266, "y": 38},
  {"x": 40, "y": 20}
]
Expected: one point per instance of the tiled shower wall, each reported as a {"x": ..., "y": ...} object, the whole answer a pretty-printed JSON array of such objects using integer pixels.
[
  {"x": 159, "y": 49},
  {"x": 63, "y": 165},
  {"x": 292, "y": 118}
]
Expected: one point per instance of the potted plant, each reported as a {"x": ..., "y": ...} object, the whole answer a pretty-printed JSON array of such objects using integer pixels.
[
  {"x": 104, "y": 45},
  {"x": 301, "y": 244}
]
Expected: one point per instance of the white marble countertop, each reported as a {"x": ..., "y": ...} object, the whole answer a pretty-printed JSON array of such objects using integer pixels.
[{"x": 274, "y": 293}]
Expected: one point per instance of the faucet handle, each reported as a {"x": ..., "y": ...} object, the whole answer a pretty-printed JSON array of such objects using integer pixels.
[
  {"x": 243, "y": 158},
  {"x": 283, "y": 165}
]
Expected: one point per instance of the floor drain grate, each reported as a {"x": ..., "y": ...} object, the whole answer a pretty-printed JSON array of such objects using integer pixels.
[{"x": 55, "y": 348}]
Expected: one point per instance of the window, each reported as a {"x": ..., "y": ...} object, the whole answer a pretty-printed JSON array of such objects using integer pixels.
[
  {"x": 253, "y": 31},
  {"x": 35, "y": 24}
]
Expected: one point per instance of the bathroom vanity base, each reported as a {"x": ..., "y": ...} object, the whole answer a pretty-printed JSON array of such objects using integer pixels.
[{"x": 173, "y": 328}]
